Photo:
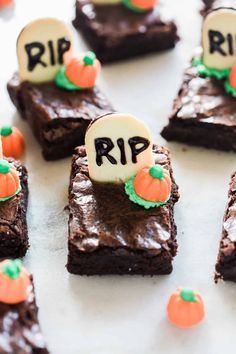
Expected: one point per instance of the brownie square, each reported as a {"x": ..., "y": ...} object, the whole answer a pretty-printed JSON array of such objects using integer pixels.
[
  {"x": 226, "y": 261},
  {"x": 203, "y": 114},
  {"x": 108, "y": 234},
  {"x": 13, "y": 225},
  {"x": 19, "y": 328},
  {"x": 115, "y": 32},
  {"x": 58, "y": 118}
]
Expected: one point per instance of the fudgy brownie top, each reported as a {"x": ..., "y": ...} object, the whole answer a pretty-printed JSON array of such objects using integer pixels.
[
  {"x": 101, "y": 214},
  {"x": 11, "y": 210},
  {"x": 114, "y": 22},
  {"x": 55, "y": 103},
  {"x": 205, "y": 100},
  {"x": 19, "y": 328},
  {"x": 228, "y": 242}
]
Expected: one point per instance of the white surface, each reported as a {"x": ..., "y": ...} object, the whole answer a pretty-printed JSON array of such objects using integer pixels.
[{"x": 126, "y": 315}]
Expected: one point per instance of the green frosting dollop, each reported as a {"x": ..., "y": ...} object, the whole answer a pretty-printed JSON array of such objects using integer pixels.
[
  {"x": 11, "y": 196},
  {"x": 129, "y": 190},
  {"x": 230, "y": 89},
  {"x": 62, "y": 81},
  {"x": 203, "y": 70}
]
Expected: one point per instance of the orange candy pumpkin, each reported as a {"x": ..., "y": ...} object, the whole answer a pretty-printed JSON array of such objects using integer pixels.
[
  {"x": 4, "y": 3},
  {"x": 9, "y": 181},
  {"x": 12, "y": 142},
  {"x": 14, "y": 282},
  {"x": 144, "y": 4},
  {"x": 153, "y": 184},
  {"x": 185, "y": 308},
  {"x": 83, "y": 72},
  {"x": 232, "y": 77}
]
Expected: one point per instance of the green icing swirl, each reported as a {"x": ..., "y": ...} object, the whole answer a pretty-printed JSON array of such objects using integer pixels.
[
  {"x": 62, "y": 81},
  {"x": 129, "y": 190},
  {"x": 130, "y": 6},
  {"x": 203, "y": 70},
  {"x": 230, "y": 89},
  {"x": 11, "y": 196}
]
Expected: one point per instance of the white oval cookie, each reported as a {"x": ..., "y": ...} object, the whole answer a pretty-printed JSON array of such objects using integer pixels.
[
  {"x": 117, "y": 146},
  {"x": 219, "y": 39},
  {"x": 41, "y": 49}
]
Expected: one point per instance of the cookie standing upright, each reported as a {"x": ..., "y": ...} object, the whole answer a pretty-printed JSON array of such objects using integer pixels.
[
  {"x": 121, "y": 29},
  {"x": 121, "y": 201},
  {"x": 204, "y": 109},
  {"x": 53, "y": 90}
]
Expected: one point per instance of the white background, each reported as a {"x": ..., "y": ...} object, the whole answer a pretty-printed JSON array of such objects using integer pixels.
[{"x": 126, "y": 315}]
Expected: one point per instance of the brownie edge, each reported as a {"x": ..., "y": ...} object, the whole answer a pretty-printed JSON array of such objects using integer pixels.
[
  {"x": 112, "y": 235},
  {"x": 116, "y": 33},
  {"x": 13, "y": 223},
  {"x": 226, "y": 262}
]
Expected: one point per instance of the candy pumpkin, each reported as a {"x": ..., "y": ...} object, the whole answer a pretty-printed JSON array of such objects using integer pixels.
[
  {"x": 232, "y": 77},
  {"x": 140, "y": 5},
  {"x": 12, "y": 142},
  {"x": 185, "y": 308},
  {"x": 83, "y": 71},
  {"x": 153, "y": 184},
  {"x": 4, "y": 3},
  {"x": 9, "y": 181},
  {"x": 14, "y": 282}
]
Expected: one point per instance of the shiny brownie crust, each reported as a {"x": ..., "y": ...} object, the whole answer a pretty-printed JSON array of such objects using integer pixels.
[
  {"x": 226, "y": 262},
  {"x": 108, "y": 234},
  {"x": 58, "y": 118},
  {"x": 203, "y": 114},
  {"x": 13, "y": 225},
  {"x": 19, "y": 328},
  {"x": 115, "y": 33}
]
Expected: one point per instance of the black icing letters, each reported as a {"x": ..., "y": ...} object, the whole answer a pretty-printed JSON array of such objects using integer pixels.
[
  {"x": 135, "y": 150},
  {"x": 103, "y": 147},
  {"x": 35, "y": 51},
  {"x": 217, "y": 39}
]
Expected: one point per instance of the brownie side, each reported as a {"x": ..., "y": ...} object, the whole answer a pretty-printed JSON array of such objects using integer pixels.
[
  {"x": 13, "y": 225},
  {"x": 116, "y": 33},
  {"x": 226, "y": 261},
  {"x": 58, "y": 118},
  {"x": 203, "y": 114},
  {"x": 19, "y": 328},
  {"x": 108, "y": 234}
]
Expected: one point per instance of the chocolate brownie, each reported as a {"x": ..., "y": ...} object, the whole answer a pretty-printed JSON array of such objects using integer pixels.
[
  {"x": 19, "y": 328},
  {"x": 203, "y": 114},
  {"x": 115, "y": 32},
  {"x": 108, "y": 234},
  {"x": 13, "y": 225},
  {"x": 58, "y": 118},
  {"x": 226, "y": 262},
  {"x": 214, "y": 4}
]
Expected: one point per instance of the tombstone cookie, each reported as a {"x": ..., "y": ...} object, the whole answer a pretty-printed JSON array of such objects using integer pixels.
[
  {"x": 112, "y": 27},
  {"x": 54, "y": 90},
  {"x": 121, "y": 200},
  {"x": 204, "y": 111}
]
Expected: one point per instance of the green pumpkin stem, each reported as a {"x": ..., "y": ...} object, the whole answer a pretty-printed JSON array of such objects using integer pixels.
[
  {"x": 12, "y": 269},
  {"x": 4, "y": 167},
  {"x": 89, "y": 58},
  {"x": 187, "y": 295},
  {"x": 157, "y": 171},
  {"x": 6, "y": 130}
]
